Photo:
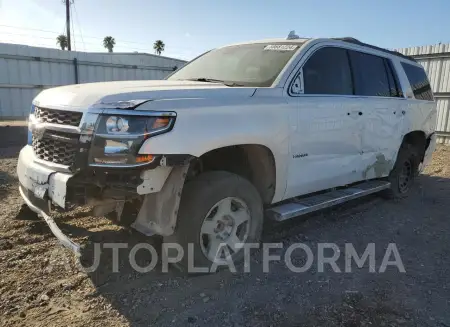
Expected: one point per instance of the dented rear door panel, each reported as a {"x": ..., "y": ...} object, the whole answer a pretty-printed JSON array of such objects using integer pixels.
[{"x": 382, "y": 131}]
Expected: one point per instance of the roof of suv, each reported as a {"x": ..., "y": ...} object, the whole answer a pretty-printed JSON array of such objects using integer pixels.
[{"x": 344, "y": 39}]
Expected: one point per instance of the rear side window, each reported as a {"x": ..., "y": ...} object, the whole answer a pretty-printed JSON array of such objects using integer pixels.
[
  {"x": 419, "y": 82},
  {"x": 370, "y": 75},
  {"x": 328, "y": 72}
]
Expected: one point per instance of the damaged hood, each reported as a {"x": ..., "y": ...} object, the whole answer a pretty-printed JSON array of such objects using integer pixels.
[{"x": 82, "y": 96}]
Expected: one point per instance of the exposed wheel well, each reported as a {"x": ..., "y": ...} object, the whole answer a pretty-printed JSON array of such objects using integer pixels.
[
  {"x": 418, "y": 140},
  {"x": 253, "y": 162}
]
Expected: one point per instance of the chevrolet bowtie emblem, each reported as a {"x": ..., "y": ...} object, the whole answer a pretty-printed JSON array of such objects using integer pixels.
[{"x": 38, "y": 132}]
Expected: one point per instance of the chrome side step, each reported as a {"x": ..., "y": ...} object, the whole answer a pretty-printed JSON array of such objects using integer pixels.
[{"x": 301, "y": 206}]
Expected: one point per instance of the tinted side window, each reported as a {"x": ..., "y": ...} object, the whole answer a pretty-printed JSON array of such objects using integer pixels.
[
  {"x": 370, "y": 76},
  {"x": 419, "y": 82},
  {"x": 328, "y": 72}
]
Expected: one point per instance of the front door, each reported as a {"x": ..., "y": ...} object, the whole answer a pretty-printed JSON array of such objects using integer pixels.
[{"x": 326, "y": 146}]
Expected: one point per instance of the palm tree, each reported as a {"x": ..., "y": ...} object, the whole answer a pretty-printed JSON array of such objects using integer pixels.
[
  {"x": 158, "y": 46},
  {"x": 61, "y": 40},
  {"x": 109, "y": 43}
]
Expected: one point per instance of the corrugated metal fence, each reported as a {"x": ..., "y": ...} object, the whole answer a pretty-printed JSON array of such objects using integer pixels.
[
  {"x": 436, "y": 61},
  {"x": 25, "y": 71}
]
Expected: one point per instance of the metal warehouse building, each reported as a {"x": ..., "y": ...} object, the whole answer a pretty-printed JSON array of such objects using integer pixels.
[{"x": 26, "y": 70}]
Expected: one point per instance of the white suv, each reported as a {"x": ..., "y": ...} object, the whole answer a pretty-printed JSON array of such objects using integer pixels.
[{"x": 274, "y": 128}]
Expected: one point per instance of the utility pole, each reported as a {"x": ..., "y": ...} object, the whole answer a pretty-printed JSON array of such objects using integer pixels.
[{"x": 68, "y": 24}]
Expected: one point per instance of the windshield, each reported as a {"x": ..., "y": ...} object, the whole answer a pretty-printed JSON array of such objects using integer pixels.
[{"x": 256, "y": 64}]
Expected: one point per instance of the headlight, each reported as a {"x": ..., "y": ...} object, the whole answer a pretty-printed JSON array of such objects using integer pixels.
[
  {"x": 116, "y": 124},
  {"x": 118, "y": 139}
]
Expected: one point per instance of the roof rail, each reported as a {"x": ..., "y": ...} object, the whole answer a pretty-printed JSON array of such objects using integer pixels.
[
  {"x": 355, "y": 41},
  {"x": 348, "y": 39}
]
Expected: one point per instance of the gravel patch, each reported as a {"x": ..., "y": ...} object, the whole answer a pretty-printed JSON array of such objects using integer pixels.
[{"x": 40, "y": 284}]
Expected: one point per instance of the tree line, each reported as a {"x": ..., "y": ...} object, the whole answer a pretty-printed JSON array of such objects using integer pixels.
[{"x": 109, "y": 42}]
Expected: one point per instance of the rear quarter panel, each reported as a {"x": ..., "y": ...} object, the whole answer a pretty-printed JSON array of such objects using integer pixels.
[{"x": 420, "y": 115}]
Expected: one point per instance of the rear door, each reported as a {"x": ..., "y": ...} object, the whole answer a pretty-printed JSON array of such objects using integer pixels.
[
  {"x": 383, "y": 108},
  {"x": 325, "y": 148}
]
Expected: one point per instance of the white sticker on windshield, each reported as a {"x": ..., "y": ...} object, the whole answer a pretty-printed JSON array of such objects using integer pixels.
[{"x": 280, "y": 47}]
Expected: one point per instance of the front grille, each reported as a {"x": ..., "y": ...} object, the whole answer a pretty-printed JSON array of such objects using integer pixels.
[
  {"x": 60, "y": 148},
  {"x": 62, "y": 117}
]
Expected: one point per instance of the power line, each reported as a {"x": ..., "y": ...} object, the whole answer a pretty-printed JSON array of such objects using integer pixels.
[
  {"x": 37, "y": 36},
  {"x": 26, "y": 28},
  {"x": 51, "y": 46},
  {"x": 64, "y": 29},
  {"x": 12, "y": 41},
  {"x": 28, "y": 35},
  {"x": 92, "y": 37},
  {"x": 73, "y": 30},
  {"x": 34, "y": 37},
  {"x": 79, "y": 26},
  {"x": 148, "y": 50}
]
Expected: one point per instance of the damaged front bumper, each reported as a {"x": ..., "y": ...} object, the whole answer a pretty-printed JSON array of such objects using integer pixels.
[
  {"x": 39, "y": 186},
  {"x": 63, "y": 239},
  {"x": 43, "y": 182},
  {"x": 159, "y": 190}
]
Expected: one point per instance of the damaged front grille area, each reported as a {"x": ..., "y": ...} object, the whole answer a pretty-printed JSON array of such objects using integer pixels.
[
  {"x": 62, "y": 117},
  {"x": 57, "y": 147}
]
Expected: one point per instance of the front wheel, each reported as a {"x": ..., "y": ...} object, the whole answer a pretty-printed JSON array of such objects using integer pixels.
[{"x": 218, "y": 209}]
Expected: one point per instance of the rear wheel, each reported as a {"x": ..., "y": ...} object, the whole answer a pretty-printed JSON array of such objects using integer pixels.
[
  {"x": 404, "y": 173},
  {"x": 218, "y": 209}
]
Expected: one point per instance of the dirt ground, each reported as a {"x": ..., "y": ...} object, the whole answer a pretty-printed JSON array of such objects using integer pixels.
[{"x": 40, "y": 285}]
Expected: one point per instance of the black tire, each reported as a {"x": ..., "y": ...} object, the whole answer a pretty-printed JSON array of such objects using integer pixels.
[
  {"x": 408, "y": 159},
  {"x": 199, "y": 197}
]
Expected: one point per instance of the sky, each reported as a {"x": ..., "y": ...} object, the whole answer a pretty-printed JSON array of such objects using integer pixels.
[{"x": 191, "y": 27}]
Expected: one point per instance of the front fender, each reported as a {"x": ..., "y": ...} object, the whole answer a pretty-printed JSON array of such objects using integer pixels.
[{"x": 202, "y": 129}]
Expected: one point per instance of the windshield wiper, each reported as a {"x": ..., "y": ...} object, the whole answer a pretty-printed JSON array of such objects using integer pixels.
[{"x": 212, "y": 80}]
